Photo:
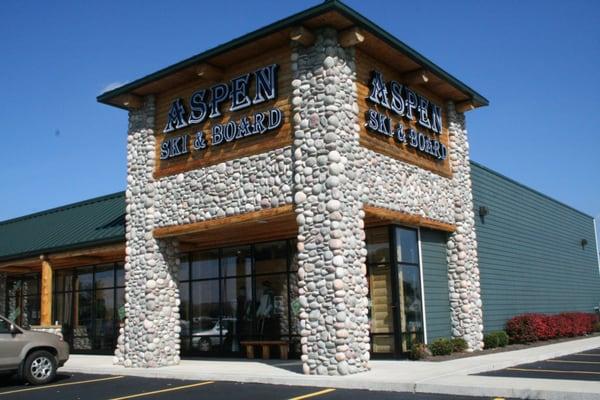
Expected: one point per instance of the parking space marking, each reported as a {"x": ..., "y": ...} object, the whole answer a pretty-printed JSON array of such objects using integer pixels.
[
  {"x": 61, "y": 384},
  {"x": 133, "y": 396},
  {"x": 313, "y": 394},
  {"x": 553, "y": 370},
  {"x": 573, "y": 362}
]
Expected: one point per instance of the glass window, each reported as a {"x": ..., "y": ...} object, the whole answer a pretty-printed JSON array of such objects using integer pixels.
[
  {"x": 206, "y": 328},
  {"x": 63, "y": 280},
  {"x": 236, "y": 261},
  {"x": 378, "y": 251},
  {"x": 381, "y": 312},
  {"x": 82, "y": 325},
  {"x": 205, "y": 265},
  {"x": 105, "y": 276},
  {"x": 270, "y": 257},
  {"x": 271, "y": 306},
  {"x": 184, "y": 268},
  {"x": 407, "y": 250},
  {"x": 120, "y": 274},
  {"x": 84, "y": 278},
  {"x": 104, "y": 320},
  {"x": 236, "y": 321}
]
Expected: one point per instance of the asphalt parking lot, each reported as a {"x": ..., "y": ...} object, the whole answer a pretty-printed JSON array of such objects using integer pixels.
[
  {"x": 96, "y": 387},
  {"x": 584, "y": 366}
]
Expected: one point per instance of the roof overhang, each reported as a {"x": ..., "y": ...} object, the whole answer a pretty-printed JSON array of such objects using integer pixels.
[{"x": 331, "y": 13}]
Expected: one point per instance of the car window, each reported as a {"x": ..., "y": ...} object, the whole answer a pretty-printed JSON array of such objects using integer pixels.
[{"x": 4, "y": 326}]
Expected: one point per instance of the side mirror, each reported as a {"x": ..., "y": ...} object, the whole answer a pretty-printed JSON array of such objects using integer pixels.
[{"x": 14, "y": 330}]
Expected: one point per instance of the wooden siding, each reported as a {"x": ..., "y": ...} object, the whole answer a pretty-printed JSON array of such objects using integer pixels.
[
  {"x": 256, "y": 144},
  {"x": 435, "y": 282},
  {"x": 388, "y": 146},
  {"x": 530, "y": 253}
]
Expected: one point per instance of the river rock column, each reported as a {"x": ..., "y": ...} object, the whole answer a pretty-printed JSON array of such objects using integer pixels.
[
  {"x": 333, "y": 288},
  {"x": 150, "y": 336},
  {"x": 463, "y": 267}
]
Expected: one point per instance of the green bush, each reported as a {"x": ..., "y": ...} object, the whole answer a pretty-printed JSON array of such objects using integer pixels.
[
  {"x": 490, "y": 341},
  {"x": 441, "y": 347},
  {"x": 418, "y": 351},
  {"x": 502, "y": 338},
  {"x": 458, "y": 345}
]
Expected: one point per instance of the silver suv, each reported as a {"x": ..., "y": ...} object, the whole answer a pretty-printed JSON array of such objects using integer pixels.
[{"x": 34, "y": 356}]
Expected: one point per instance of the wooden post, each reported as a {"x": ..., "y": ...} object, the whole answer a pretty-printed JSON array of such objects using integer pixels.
[{"x": 46, "y": 295}]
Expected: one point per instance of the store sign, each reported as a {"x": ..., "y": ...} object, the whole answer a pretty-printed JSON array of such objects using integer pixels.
[
  {"x": 205, "y": 104},
  {"x": 403, "y": 102}
]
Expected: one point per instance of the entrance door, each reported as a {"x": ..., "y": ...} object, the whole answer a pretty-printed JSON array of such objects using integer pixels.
[{"x": 396, "y": 306}]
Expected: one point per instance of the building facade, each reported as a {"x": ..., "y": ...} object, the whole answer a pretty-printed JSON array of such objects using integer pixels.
[{"x": 309, "y": 182}]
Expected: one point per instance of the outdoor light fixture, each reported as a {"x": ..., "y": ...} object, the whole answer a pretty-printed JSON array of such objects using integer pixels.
[
  {"x": 483, "y": 211},
  {"x": 584, "y": 243}
]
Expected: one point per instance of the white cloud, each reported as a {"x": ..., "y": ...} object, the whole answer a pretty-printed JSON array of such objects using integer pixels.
[{"x": 112, "y": 86}]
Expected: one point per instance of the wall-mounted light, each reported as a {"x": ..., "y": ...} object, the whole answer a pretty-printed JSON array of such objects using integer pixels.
[
  {"x": 483, "y": 211},
  {"x": 584, "y": 243}
]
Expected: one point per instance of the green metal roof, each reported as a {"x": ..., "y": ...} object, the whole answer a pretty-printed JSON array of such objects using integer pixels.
[
  {"x": 92, "y": 222},
  {"x": 293, "y": 20}
]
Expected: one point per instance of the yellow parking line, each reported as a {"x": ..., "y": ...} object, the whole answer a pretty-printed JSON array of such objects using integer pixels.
[
  {"x": 133, "y": 396},
  {"x": 62, "y": 384},
  {"x": 313, "y": 394},
  {"x": 574, "y": 362},
  {"x": 553, "y": 370}
]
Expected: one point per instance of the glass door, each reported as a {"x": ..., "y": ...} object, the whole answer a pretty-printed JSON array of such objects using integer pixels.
[
  {"x": 395, "y": 304},
  {"x": 408, "y": 303}
]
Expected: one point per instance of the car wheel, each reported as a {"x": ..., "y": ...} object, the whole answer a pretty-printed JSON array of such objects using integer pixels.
[{"x": 39, "y": 368}]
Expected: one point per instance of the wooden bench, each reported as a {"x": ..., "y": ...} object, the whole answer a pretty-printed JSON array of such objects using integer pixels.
[{"x": 284, "y": 348}]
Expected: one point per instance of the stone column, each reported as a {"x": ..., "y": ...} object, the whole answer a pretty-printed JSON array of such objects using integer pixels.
[
  {"x": 463, "y": 267},
  {"x": 150, "y": 337},
  {"x": 333, "y": 288},
  {"x": 3, "y": 289}
]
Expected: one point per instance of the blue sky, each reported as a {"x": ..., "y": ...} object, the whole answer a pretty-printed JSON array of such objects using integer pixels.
[{"x": 536, "y": 61}]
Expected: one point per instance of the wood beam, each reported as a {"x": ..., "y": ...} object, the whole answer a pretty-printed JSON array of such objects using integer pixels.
[
  {"x": 418, "y": 77},
  {"x": 405, "y": 218},
  {"x": 197, "y": 227},
  {"x": 131, "y": 101},
  {"x": 46, "y": 295},
  {"x": 464, "y": 106},
  {"x": 351, "y": 37},
  {"x": 209, "y": 72},
  {"x": 302, "y": 35}
]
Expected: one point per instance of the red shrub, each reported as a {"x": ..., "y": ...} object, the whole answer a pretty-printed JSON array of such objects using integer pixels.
[{"x": 531, "y": 327}]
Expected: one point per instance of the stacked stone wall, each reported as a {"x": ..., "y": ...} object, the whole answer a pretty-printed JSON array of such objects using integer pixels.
[
  {"x": 229, "y": 188},
  {"x": 333, "y": 288},
  {"x": 403, "y": 187}
]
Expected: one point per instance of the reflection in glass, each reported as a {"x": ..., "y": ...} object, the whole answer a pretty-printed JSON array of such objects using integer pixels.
[
  {"x": 184, "y": 312},
  {"x": 407, "y": 250},
  {"x": 380, "y": 288},
  {"x": 205, "y": 316},
  {"x": 271, "y": 306},
  {"x": 84, "y": 279},
  {"x": 104, "y": 319},
  {"x": 105, "y": 277},
  {"x": 205, "y": 265},
  {"x": 120, "y": 267},
  {"x": 383, "y": 344},
  {"x": 236, "y": 322},
  {"x": 378, "y": 250},
  {"x": 270, "y": 257},
  {"x": 82, "y": 326},
  {"x": 236, "y": 261}
]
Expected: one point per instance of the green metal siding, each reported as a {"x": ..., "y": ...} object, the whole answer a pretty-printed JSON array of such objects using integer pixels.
[
  {"x": 435, "y": 283},
  {"x": 92, "y": 222},
  {"x": 530, "y": 253}
]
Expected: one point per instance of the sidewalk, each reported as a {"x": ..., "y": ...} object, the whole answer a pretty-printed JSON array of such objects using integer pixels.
[{"x": 448, "y": 377}]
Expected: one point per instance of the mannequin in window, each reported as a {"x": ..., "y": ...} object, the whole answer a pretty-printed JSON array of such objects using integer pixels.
[{"x": 265, "y": 308}]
